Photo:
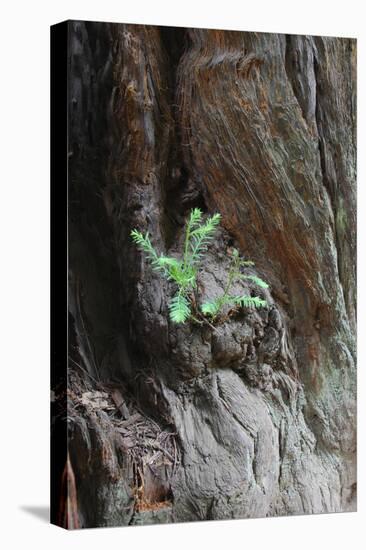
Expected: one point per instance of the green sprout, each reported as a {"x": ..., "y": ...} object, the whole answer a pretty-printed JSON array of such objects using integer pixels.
[
  {"x": 214, "y": 307},
  {"x": 198, "y": 235},
  {"x": 183, "y": 272}
]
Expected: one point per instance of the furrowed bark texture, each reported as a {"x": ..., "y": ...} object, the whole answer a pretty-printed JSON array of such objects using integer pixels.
[{"x": 255, "y": 417}]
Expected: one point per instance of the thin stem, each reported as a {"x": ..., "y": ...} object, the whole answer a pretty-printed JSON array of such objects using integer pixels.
[
  {"x": 186, "y": 244},
  {"x": 196, "y": 320},
  {"x": 205, "y": 321},
  {"x": 232, "y": 273}
]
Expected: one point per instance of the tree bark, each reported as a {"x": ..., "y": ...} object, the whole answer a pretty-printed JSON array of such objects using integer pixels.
[{"x": 254, "y": 417}]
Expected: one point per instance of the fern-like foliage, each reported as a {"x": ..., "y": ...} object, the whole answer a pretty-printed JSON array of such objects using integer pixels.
[
  {"x": 200, "y": 237},
  {"x": 249, "y": 301},
  {"x": 256, "y": 280},
  {"x": 143, "y": 243},
  {"x": 213, "y": 307},
  {"x": 210, "y": 308},
  {"x": 179, "y": 309},
  {"x": 183, "y": 272}
]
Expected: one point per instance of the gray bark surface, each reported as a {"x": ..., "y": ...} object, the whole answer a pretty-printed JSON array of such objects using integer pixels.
[{"x": 257, "y": 416}]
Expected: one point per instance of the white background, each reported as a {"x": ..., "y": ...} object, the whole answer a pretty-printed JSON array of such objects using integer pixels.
[{"x": 24, "y": 273}]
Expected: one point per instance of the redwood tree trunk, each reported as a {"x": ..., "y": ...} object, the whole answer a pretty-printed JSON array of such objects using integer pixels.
[{"x": 255, "y": 417}]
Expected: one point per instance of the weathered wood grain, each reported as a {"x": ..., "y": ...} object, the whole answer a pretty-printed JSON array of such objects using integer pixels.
[{"x": 262, "y": 128}]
